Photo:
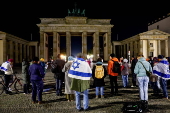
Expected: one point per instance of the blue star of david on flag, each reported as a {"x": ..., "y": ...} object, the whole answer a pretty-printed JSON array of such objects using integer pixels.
[{"x": 75, "y": 65}]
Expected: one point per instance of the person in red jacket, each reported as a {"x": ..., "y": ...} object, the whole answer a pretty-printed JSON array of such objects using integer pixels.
[{"x": 112, "y": 75}]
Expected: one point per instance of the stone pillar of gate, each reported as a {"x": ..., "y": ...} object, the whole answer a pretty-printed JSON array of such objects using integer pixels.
[
  {"x": 16, "y": 52},
  {"x": 68, "y": 44},
  {"x": 55, "y": 45},
  {"x": 4, "y": 48},
  {"x": 20, "y": 52},
  {"x": 109, "y": 46},
  {"x": 166, "y": 48},
  {"x": 11, "y": 48},
  {"x": 159, "y": 47},
  {"x": 105, "y": 52},
  {"x": 42, "y": 45},
  {"x": 58, "y": 43},
  {"x": 95, "y": 45},
  {"x": 84, "y": 43}
]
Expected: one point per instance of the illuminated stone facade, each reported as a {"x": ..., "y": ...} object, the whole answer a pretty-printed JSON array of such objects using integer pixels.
[{"x": 75, "y": 26}]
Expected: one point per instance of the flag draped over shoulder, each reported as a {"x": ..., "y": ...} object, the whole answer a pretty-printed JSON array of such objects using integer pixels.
[
  {"x": 4, "y": 66},
  {"x": 161, "y": 69},
  {"x": 80, "y": 72}
]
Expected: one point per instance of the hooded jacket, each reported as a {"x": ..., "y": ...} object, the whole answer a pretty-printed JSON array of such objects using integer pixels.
[
  {"x": 140, "y": 70},
  {"x": 110, "y": 66}
]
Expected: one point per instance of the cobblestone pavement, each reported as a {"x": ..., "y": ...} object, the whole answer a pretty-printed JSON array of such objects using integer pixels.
[{"x": 21, "y": 103}]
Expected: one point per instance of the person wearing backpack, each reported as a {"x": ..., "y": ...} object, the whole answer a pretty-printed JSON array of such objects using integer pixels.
[
  {"x": 113, "y": 75},
  {"x": 59, "y": 75},
  {"x": 99, "y": 73}
]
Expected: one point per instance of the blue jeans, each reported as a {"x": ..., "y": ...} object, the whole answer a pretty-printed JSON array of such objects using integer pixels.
[
  {"x": 58, "y": 86},
  {"x": 85, "y": 99},
  {"x": 163, "y": 84},
  {"x": 143, "y": 87},
  {"x": 125, "y": 80},
  {"x": 101, "y": 90},
  {"x": 155, "y": 87},
  {"x": 37, "y": 89}
]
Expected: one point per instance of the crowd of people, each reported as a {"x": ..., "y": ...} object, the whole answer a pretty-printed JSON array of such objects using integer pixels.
[{"x": 76, "y": 74}]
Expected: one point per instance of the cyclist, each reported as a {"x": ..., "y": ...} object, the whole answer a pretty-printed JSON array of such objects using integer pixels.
[{"x": 7, "y": 68}]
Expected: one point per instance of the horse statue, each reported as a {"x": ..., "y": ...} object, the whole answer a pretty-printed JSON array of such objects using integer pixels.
[{"x": 83, "y": 13}]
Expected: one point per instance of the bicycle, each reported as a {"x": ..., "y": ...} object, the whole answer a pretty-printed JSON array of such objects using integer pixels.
[{"x": 18, "y": 84}]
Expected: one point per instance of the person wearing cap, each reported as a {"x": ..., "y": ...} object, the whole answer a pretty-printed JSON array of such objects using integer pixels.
[
  {"x": 142, "y": 78},
  {"x": 42, "y": 63},
  {"x": 37, "y": 75},
  {"x": 161, "y": 69},
  {"x": 68, "y": 92},
  {"x": 8, "y": 73},
  {"x": 112, "y": 75},
  {"x": 125, "y": 72}
]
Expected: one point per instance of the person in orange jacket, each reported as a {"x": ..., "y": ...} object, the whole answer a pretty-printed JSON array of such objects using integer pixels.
[{"x": 112, "y": 75}]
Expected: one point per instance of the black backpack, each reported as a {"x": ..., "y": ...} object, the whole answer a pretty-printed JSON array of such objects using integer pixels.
[
  {"x": 54, "y": 67},
  {"x": 116, "y": 67}
]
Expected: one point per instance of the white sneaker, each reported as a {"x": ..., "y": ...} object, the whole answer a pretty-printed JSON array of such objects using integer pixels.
[
  {"x": 132, "y": 86},
  {"x": 10, "y": 89}
]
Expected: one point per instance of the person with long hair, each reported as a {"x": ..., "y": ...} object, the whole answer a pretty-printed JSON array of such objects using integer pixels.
[{"x": 142, "y": 78}]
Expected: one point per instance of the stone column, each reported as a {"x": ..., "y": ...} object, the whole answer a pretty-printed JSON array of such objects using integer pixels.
[
  {"x": 121, "y": 50},
  {"x": 135, "y": 49},
  {"x": 68, "y": 44},
  {"x": 148, "y": 47},
  {"x": 84, "y": 43},
  {"x": 159, "y": 47},
  {"x": 95, "y": 45},
  {"x": 28, "y": 52},
  {"x": 127, "y": 50},
  {"x": 16, "y": 52},
  {"x": 131, "y": 48},
  {"x": 105, "y": 44},
  {"x": 166, "y": 48},
  {"x": 141, "y": 46},
  {"x": 109, "y": 43},
  {"x": 20, "y": 53},
  {"x": 4, "y": 48},
  {"x": 11, "y": 48},
  {"x": 42, "y": 45},
  {"x": 124, "y": 54},
  {"x": 24, "y": 51},
  {"x": 58, "y": 43},
  {"x": 54, "y": 45}
]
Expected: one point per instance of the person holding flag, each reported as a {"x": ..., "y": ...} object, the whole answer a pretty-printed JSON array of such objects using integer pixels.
[
  {"x": 80, "y": 72},
  {"x": 161, "y": 69}
]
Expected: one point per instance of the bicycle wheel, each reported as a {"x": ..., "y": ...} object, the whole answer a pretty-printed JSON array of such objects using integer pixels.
[
  {"x": 1, "y": 88},
  {"x": 19, "y": 86}
]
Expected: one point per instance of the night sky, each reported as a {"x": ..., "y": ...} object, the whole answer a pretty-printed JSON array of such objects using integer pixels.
[{"x": 129, "y": 18}]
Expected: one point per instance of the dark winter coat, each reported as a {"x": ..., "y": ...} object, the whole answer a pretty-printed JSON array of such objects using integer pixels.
[
  {"x": 25, "y": 73},
  {"x": 98, "y": 82}
]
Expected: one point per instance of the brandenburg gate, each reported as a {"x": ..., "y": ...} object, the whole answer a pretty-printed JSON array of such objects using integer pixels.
[{"x": 75, "y": 26}]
